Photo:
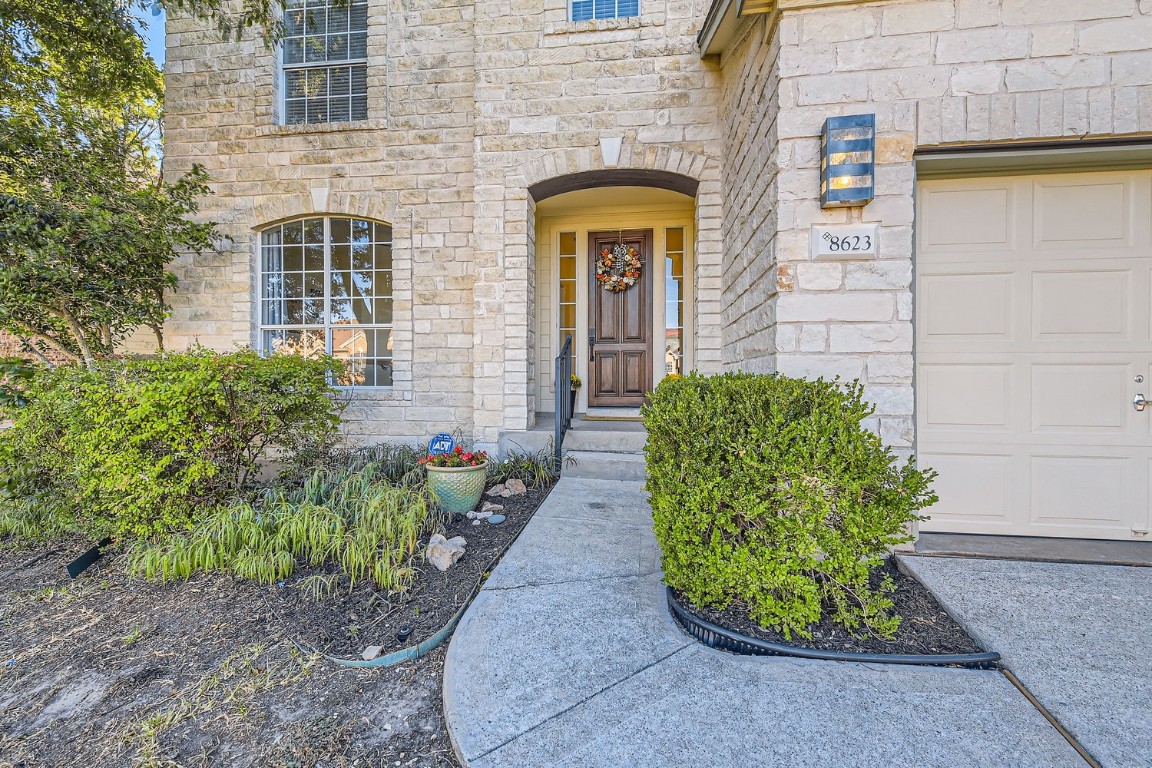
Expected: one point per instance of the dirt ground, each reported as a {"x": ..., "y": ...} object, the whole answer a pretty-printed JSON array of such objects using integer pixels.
[{"x": 108, "y": 670}]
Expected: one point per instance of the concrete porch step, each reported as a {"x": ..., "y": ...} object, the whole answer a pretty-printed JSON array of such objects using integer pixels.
[
  {"x": 585, "y": 434},
  {"x": 604, "y": 465},
  {"x": 591, "y": 439}
]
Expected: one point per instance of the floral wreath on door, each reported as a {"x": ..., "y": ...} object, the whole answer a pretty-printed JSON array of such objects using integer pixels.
[{"x": 618, "y": 267}]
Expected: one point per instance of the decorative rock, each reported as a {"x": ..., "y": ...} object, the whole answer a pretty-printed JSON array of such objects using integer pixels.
[
  {"x": 443, "y": 553},
  {"x": 497, "y": 490},
  {"x": 495, "y": 520},
  {"x": 476, "y": 522},
  {"x": 372, "y": 652},
  {"x": 515, "y": 487},
  {"x": 489, "y": 508}
]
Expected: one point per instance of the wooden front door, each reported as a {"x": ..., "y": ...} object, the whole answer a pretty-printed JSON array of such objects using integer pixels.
[{"x": 620, "y": 327}]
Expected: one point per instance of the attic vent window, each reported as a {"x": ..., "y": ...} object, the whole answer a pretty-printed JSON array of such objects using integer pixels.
[
  {"x": 586, "y": 10},
  {"x": 325, "y": 61}
]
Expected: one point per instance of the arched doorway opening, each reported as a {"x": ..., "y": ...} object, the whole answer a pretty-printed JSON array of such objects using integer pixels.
[{"x": 626, "y": 338}]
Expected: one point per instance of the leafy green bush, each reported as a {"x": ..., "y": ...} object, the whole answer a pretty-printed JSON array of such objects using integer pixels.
[
  {"x": 142, "y": 447},
  {"x": 351, "y": 517},
  {"x": 769, "y": 490},
  {"x": 15, "y": 373}
]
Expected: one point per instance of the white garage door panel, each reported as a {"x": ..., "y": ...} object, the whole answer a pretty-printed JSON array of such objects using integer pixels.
[
  {"x": 977, "y": 486},
  {"x": 1088, "y": 216},
  {"x": 967, "y": 305},
  {"x": 976, "y": 218},
  {"x": 1081, "y": 397},
  {"x": 1033, "y": 319},
  {"x": 968, "y": 396},
  {"x": 1080, "y": 492},
  {"x": 1076, "y": 304}
]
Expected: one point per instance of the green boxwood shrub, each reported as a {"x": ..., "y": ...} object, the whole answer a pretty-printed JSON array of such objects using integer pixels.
[
  {"x": 133, "y": 448},
  {"x": 769, "y": 490}
]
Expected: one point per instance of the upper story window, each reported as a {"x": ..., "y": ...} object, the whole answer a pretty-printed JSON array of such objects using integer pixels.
[
  {"x": 585, "y": 10},
  {"x": 325, "y": 61},
  {"x": 326, "y": 286}
]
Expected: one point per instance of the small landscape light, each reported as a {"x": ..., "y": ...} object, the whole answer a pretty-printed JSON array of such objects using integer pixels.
[
  {"x": 848, "y": 161},
  {"x": 403, "y": 634}
]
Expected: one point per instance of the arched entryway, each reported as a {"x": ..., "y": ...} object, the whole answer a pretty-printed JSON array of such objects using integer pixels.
[{"x": 624, "y": 340}]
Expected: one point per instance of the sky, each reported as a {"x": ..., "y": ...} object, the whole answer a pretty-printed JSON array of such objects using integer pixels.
[{"x": 154, "y": 34}]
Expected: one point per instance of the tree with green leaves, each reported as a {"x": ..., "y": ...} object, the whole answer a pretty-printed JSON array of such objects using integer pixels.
[{"x": 88, "y": 225}]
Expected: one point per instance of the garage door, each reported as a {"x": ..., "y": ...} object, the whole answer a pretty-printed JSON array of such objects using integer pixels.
[{"x": 1033, "y": 335}]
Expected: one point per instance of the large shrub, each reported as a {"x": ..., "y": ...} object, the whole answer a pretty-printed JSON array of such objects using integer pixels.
[
  {"x": 769, "y": 490},
  {"x": 140, "y": 447}
]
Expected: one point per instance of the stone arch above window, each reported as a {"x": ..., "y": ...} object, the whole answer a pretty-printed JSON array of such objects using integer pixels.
[{"x": 320, "y": 202}]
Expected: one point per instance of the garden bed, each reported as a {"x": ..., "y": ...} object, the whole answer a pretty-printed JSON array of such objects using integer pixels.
[
  {"x": 926, "y": 629},
  {"x": 109, "y": 670}
]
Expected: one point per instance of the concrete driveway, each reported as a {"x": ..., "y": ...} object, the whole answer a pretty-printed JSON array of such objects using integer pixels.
[{"x": 1079, "y": 637}]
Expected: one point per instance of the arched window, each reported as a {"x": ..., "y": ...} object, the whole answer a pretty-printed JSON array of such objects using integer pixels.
[{"x": 326, "y": 286}]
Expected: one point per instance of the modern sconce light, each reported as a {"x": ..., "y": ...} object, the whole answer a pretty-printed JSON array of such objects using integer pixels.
[{"x": 848, "y": 161}]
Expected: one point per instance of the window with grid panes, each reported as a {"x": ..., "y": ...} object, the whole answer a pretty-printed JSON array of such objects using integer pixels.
[
  {"x": 585, "y": 10},
  {"x": 325, "y": 61},
  {"x": 326, "y": 287},
  {"x": 674, "y": 301},
  {"x": 567, "y": 303}
]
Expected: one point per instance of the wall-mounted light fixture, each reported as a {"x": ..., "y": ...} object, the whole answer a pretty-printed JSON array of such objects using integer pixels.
[{"x": 848, "y": 161}]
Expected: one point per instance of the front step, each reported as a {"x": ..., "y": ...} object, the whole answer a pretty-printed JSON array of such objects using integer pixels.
[
  {"x": 585, "y": 435},
  {"x": 585, "y": 438},
  {"x": 603, "y": 465}
]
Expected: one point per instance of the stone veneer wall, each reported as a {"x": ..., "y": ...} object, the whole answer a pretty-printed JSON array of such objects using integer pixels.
[
  {"x": 935, "y": 72},
  {"x": 548, "y": 91},
  {"x": 751, "y": 215},
  {"x": 469, "y": 104}
]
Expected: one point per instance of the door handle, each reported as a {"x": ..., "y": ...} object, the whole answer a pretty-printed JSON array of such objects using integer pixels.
[
  {"x": 1139, "y": 403},
  {"x": 591, "y": 345}
]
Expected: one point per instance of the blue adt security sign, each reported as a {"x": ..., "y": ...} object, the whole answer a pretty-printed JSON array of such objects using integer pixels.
[{"x": 442, "y": 443}]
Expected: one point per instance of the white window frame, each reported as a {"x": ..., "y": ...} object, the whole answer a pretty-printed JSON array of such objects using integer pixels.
[
  {"x": 615, "y": 15},
  {"x": 327, "y": 326},
  {"x": 285, "y": 68}
]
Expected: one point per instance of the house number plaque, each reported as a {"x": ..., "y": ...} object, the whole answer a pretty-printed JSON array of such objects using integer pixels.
[{"x": 845, "y": 242}]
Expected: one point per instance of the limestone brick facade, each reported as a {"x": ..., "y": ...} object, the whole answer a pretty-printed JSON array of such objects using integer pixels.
[
  {"x": 471, "y": 104},
  {"x": 936, "y": 73}
]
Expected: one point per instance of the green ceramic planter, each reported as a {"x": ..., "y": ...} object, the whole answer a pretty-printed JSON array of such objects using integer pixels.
[{"x": 457, "y": 489}]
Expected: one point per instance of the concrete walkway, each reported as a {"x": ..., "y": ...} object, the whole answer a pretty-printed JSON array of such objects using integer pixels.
[
  {"x": 1078, "y": 636},
  {"x": 568, "y": 658}
]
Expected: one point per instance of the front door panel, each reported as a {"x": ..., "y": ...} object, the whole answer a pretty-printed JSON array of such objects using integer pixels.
[{"x": 620, "y": 327}]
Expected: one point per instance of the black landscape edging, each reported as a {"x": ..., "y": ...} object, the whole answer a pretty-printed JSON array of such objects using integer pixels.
[
  {"x": 80, "y": 564},
  {"x": 724, "y": 639}
]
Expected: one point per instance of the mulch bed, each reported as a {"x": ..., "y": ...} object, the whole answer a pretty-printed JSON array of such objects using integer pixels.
[
  {"x": 108, "y": 670},
  {"x": 925, "y": 627}
]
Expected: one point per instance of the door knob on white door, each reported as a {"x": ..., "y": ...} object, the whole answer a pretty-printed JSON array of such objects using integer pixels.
[{"x": 1139, "y": 402}]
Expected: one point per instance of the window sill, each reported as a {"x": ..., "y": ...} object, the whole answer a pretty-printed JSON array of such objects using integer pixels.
[
  {"x": 373, "y": 394},
  {"x": 308, "y": 128},
  {"x": 604, "y": 25}
]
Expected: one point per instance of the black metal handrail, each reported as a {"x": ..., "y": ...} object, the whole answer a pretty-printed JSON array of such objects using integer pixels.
[{"x": 563, "y": 396}]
